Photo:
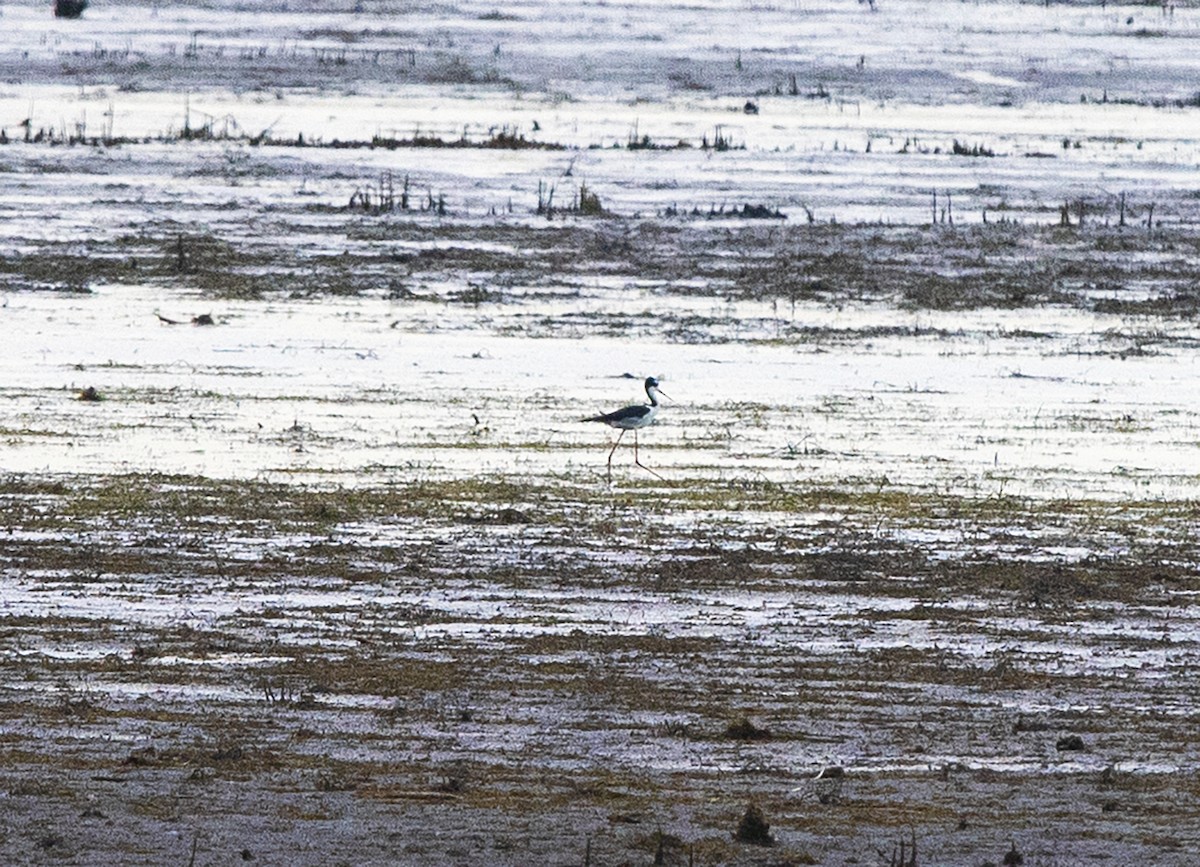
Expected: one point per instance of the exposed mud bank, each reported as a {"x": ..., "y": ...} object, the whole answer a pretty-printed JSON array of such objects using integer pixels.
[{"x": 514, "y": 672}]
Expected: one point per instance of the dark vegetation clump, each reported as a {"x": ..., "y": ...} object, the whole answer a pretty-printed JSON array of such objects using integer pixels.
[
  {"x": 760, "y": 212},
  {"x": 586, "y": 203},
  {"x": 69, "y": 8},
  {"x": 718, "y": 212},
  {"x": 500, "y": 517},
  {"x": 589, "y": 203},
  {"x": 975, "y": 150},
  {"x": 1025, "y": 724},
  {"x": 745, "y": 730},
  {"x": 644, "y": 142},
  {"x": 720, "y": 142},
  {"x": 754, "y": 828}
]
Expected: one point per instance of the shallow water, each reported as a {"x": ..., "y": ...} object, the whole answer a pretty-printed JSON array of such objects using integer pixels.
[{"x": 356, "y": 390}]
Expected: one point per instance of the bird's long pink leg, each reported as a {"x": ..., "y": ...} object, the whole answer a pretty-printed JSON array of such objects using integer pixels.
[
  {"x": 611, "y": 453},
  {"x": 639, "y": 463}
]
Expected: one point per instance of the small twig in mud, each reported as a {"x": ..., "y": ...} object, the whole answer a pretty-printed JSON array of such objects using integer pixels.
[
  {"x": 182, "y": 264},
  {"x": 281, "y": 691},
  {"x": 667, "y": 847},
  {"x": 828, "y": 784},
  {"x": 202, "y": 319},
  {"x": 545, "y": 203},
  {"x": 905, "y": 856},
  {"x": 946, "y": 215}
]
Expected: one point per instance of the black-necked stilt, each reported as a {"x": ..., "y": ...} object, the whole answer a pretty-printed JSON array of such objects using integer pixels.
[{"x": 632, "y": 418}]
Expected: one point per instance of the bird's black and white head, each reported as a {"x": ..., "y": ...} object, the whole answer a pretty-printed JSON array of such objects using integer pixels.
[{"x": 653, "y": 391}]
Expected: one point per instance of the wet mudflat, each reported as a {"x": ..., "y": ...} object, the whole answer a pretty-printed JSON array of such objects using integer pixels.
[
  {"x": 495, "y": 670},
  {"x": 307, "y": 559}
]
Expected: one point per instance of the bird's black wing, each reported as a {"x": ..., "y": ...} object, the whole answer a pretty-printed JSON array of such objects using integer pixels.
[{"x": 628, "y": 413}]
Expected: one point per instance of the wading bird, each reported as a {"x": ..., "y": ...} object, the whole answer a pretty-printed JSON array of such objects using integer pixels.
[{"x": 632, "y": 418}]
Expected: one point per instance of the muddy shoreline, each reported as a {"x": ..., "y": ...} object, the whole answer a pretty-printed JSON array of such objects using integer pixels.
[
  {"x": 306, "y": 558},
  {"x": 512, "y": 673}
]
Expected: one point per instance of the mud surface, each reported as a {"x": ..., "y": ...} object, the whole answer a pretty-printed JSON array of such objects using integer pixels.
[
  {"x": 516, "y": 673},
  {"x": 306, "y": 557}
]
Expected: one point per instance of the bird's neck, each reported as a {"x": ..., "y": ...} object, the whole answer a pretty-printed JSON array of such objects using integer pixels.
[{"x": 652, "y": 393}]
